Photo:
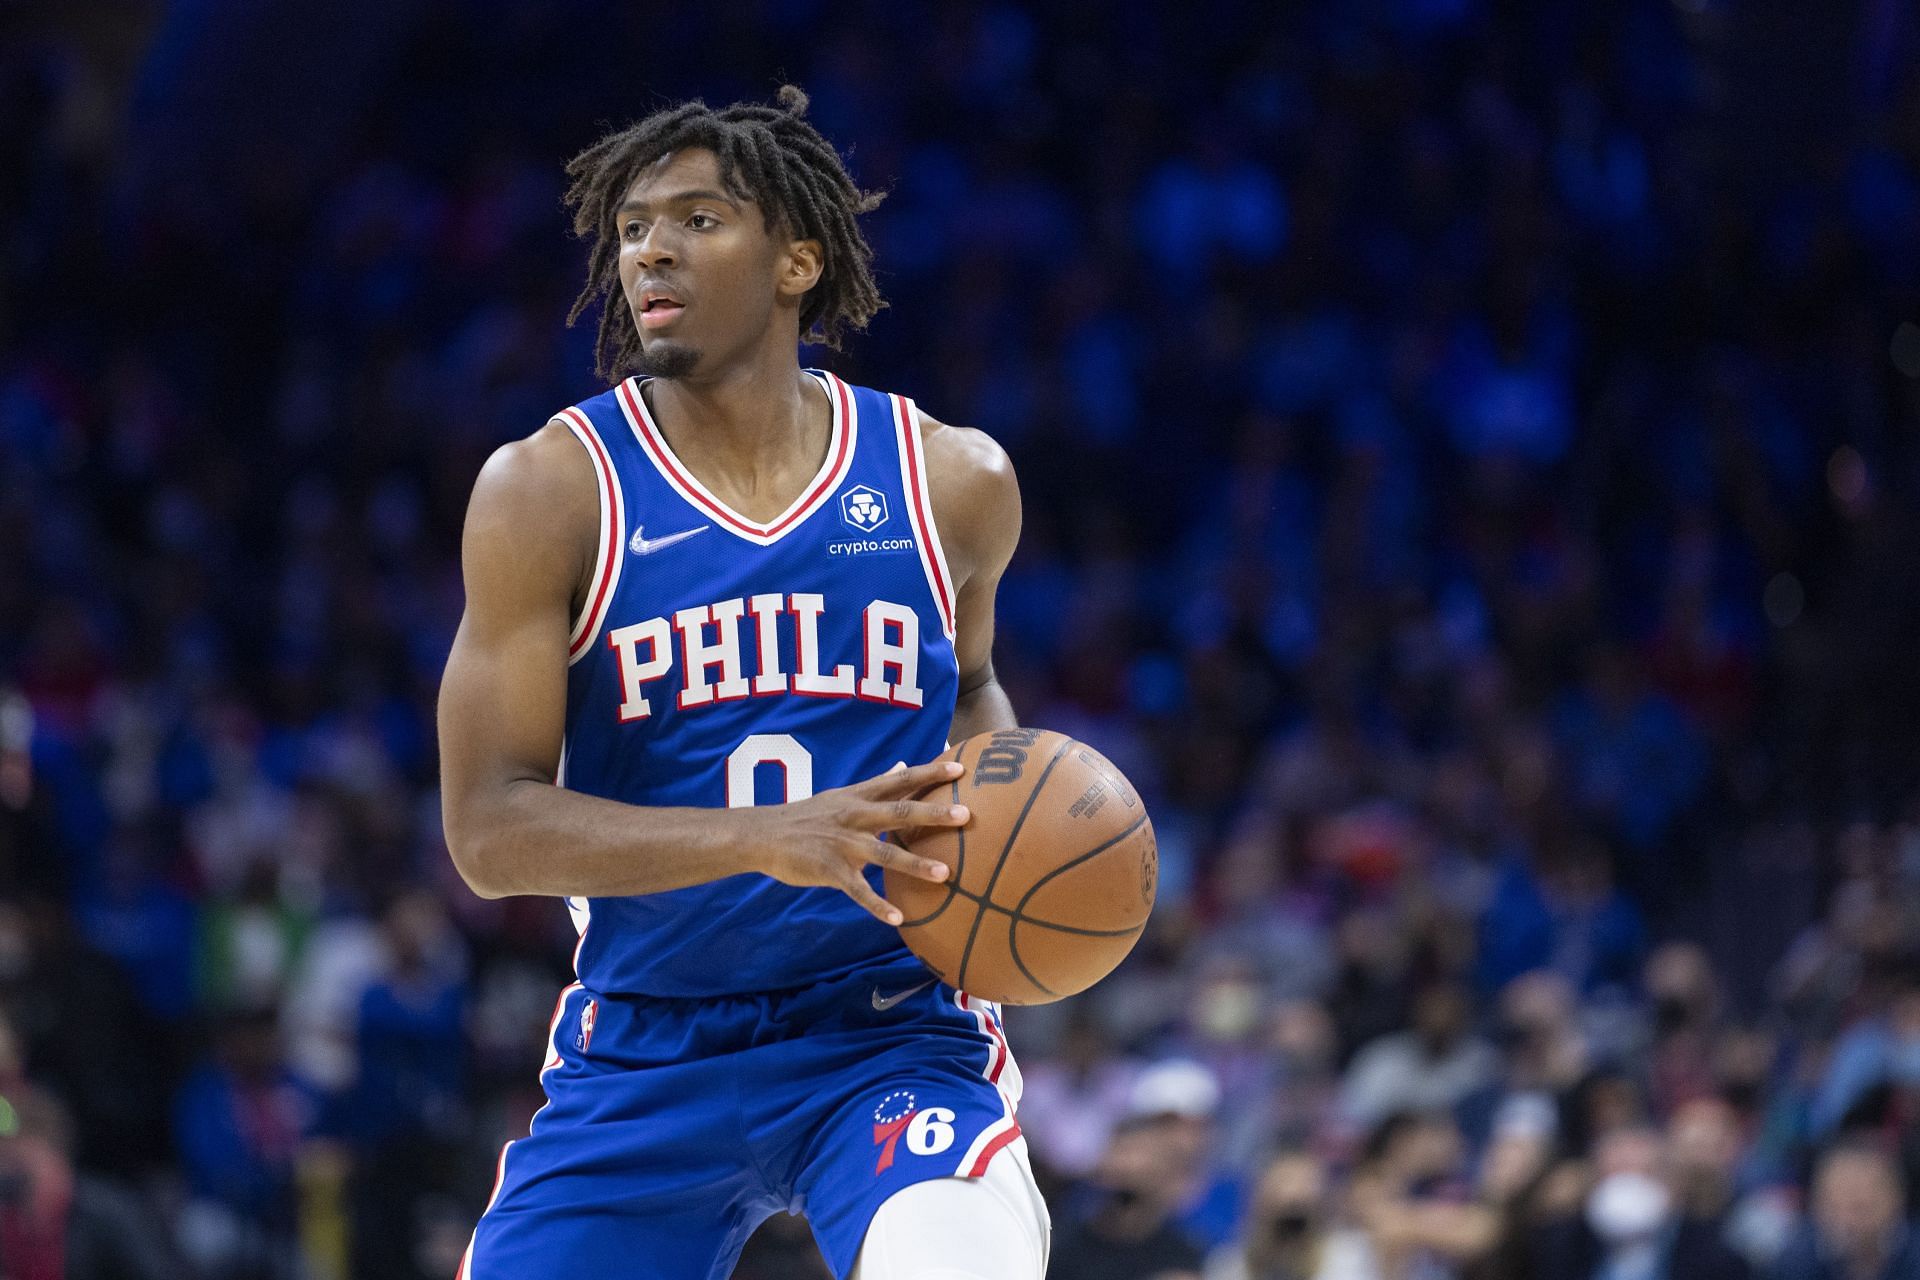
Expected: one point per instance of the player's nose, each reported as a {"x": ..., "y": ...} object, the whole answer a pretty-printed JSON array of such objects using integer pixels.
[{"x": 657, "y": 247}]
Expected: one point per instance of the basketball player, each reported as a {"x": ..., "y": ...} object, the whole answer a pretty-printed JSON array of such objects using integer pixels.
[{"x": 712, "y": 615}]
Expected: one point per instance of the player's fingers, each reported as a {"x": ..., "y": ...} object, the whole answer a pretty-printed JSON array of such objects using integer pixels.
[
  {"x": 860, "y": 891},
  {"x": 905, "y": 782},
  {"x": 884, "y": 853},
  {"x": 904, "y": 815}
]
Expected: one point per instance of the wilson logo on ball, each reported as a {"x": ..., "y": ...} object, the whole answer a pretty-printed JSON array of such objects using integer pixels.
[
  {"x": 1053, "y": 876},
  {"x": 1005, "y": 756}
]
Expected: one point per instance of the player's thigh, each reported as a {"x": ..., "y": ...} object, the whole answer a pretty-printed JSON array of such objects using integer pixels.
[
  {"x": 993, "y": 1227},
  {"x": 574, "y": 1243},
  {"x": 587, "y": 1200}
]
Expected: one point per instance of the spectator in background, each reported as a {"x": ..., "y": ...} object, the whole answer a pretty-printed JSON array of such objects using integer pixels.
[
  {"x": 1119, "y": 1225},
  {"x": 408, "y": 1109},
  {"x": 1605, "y": 1101},
  {"x": 48, "y": 974},
  {"x": 1302, "y": 1101},
  {"x": 60, "y": 1224},
  {"x": 1177, "y": 1102},
  {"x": 1879, "y": 1051},
  {"x": 1858, "y": 1229},
  {"x": 1514, "y": 1184},
  {"x": 1632, "y": 1225},
  {"x": 1437, "y": 1063},
  {"x": 1633, "y": 758},
  {"x": 1072, "y": 1098},
  {"x": 1563, "y": 910},
  {"x": 250, "y": 941},
  {"x": 1686, "y": 1005},
  {"x": 1542, "y": 1051},
  {"x": 1292, "y": 1232},
  {"x": 1368, "y": 995},
  {"x": 145, "y": 921},
  {"x": 239, "y": 1122},
  {"x": 1704, "y": 1145},
  {"x": 1412, "y": 1203}
]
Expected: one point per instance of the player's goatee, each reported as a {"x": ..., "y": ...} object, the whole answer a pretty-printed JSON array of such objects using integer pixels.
[{"x": 666, "y": 360}]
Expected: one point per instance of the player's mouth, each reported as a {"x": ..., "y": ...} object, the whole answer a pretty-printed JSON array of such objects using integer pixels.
[{"x": 659, "y": 308}]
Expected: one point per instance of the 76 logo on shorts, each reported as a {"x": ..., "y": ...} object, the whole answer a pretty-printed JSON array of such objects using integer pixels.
[{"x": 928, "y": 1132}]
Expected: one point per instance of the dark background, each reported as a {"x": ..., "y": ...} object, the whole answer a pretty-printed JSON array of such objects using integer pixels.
[{"x": 1469, "y": 457}]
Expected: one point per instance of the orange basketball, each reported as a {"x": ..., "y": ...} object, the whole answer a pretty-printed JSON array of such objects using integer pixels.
[{"x": 1052, "y": 877}]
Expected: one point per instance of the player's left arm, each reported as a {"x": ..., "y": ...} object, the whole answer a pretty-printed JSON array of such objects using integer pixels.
[{"x": 976, "y": 506}]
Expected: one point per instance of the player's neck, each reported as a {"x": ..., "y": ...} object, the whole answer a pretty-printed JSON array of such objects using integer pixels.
[{"x": 747, "y": 430}]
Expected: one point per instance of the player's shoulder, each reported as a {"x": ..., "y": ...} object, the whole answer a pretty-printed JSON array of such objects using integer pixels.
[
  {"x": 546, "y": 471},
  {"x": 975, "y": 494},
  {"x": 965, "y": 460},
  {"x": 538, "y": 495}
]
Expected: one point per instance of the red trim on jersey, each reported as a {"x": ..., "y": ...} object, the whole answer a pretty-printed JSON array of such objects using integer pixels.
[
  {"x": 553, "y": 1031},
  {"x": 992, "y": 1149},
  {"x": 616, "y": 530},
  {"x": 920, "y": 510},
  {"x": 839, "y": 448},
  {"x": 998, "y": 1061}
]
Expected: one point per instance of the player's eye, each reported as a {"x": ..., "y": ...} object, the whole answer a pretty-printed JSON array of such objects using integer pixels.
[
  {"x": 701, "y": 221},
  {"x": 633, "y": 229}
]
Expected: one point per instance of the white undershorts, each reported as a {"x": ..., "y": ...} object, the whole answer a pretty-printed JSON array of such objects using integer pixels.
[{"x": 993, "y": 1227}]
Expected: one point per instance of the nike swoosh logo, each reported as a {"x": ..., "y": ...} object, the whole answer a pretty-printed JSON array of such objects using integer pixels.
[
  {"x": 642, "y": 545},
  {"x": 883, "y": 1003}
]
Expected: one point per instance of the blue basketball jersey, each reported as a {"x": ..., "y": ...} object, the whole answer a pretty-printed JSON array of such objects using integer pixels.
[{"x": 719, "y": 661}]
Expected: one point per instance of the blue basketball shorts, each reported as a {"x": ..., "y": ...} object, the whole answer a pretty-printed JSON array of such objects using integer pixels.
[{"x": 674, "y": 1127}]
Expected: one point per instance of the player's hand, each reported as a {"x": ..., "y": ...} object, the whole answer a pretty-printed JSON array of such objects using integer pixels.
[{"x": 830, "y": 839}]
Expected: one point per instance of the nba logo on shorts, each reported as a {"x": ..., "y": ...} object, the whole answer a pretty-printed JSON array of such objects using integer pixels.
[
  {"x": 587, "y": 1017},
  {"x": 863, "y": 508}
]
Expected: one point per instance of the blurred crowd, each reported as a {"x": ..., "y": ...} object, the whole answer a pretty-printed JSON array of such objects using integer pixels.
[{"x": 1470, "y": 469}]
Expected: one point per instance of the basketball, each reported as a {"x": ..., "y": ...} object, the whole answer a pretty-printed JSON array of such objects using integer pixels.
[{"x": 1052, "y": 878}]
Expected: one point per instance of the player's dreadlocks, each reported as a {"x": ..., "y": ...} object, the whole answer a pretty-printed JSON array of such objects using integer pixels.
[{"x": 769, "y": 155}]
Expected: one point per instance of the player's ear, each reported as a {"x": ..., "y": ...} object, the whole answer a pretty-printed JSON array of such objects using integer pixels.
[{"x": 801, "y": 267}]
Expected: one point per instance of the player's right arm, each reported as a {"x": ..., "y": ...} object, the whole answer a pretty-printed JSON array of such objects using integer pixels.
[{"x": 525, "y": 555}]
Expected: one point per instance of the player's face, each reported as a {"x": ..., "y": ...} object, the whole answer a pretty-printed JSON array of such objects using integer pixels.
[{"x": 701, "y": 274}]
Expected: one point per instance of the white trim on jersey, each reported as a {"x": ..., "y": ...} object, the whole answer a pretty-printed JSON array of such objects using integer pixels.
[
  {"x": 579, "y": 909},
  {"x": 613, "y": 536},
  {"x": 1004, "y": 1074},
  {"x": 913, "y": 482},
  {"x": 552, "y": 1060},
  {"x": 833, "y": 469},
  {"x": 1001, "y": 1069},
  {"x": 992, "y": 1140}
]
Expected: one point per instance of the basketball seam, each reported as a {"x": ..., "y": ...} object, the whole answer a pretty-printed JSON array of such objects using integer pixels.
[
  {"x": 1041, "y": 921},
  {"x": 1071, "y": 863},
  {"x": 999, "y": 865},
  {"x": 1020, "y": 917},
  {"x": 959, "y": 860},
  {"x": 1038, "y": 923},
  {"x": 1013, "y": 949}
]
